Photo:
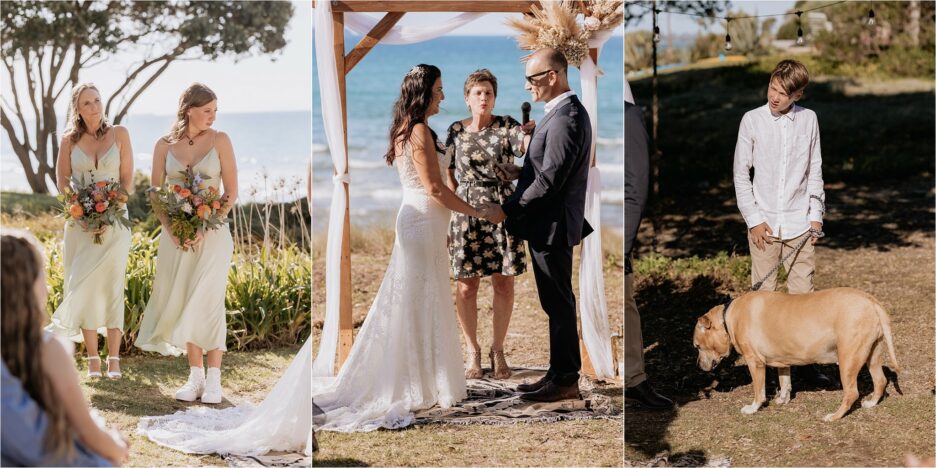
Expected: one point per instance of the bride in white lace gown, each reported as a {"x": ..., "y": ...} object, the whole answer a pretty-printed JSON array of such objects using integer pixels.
[{"x": 407, "y": 355}]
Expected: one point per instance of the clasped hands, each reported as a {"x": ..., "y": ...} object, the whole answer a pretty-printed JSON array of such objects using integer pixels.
[{"x": 491, "y": 212}]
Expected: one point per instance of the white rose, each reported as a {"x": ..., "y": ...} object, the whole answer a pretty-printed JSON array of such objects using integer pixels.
[
  {"x": 187, "y": 208},
  {"x": 592, "y": 23}
]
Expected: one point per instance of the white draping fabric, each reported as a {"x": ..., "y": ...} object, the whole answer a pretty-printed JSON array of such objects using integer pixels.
[
  {"x": 596, "y": 332},
  {"x": 324, "y": 363},
  {"x": 628, "y": 94},
  {"x": 362, "y": 23}
]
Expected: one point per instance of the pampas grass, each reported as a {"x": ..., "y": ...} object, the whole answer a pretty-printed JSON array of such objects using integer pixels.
[{"x": 554, "y": 26}]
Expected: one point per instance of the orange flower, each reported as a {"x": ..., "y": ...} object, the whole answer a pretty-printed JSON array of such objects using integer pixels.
[
  {"x": 111, "y": 195},
  {"x": 176, "y": 188},
  {"x": 202, "y": 211},
  {"x": 212, "y": 189},
  {"x": 185, "y": 193},
  {"x": 97, "y": 196},
  {"x": 122, "y": 198},
  {"x": 101, "y": 184},
  {"x": 75, "y": 211},
  {"x": 100, "y": 207},
  {"x": 216, "y": 205}
]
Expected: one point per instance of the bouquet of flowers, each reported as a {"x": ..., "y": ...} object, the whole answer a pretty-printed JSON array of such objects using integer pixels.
[
  {"x": 95, "y": 206},
  {"x": 189, "y": 206}
]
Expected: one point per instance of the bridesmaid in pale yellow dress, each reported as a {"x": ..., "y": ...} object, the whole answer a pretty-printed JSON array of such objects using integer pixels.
[
  {"x": 93, "y": 300},
  {"x": 185, "y": 313}
]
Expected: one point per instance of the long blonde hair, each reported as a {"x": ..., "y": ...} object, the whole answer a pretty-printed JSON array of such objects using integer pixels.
[
  {"x": 196, "y": 95},
  {"x": 76, "y": 126},
  {"x": 21, "y": 320}
]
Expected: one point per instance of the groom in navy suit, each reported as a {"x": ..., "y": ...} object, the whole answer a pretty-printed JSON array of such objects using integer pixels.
[{"x": 548, "y": 211}]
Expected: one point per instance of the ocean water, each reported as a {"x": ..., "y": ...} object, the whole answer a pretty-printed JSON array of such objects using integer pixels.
[
  {"x": 271, "y": 149},
  {"x": 373, "y": 86}
]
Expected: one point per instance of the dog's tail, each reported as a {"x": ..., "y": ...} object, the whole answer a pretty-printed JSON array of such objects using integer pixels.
[{"x": 888, "y": 339}]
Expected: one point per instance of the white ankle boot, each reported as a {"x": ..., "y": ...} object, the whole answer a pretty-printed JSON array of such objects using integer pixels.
[
  {"x": 212, "y": 393},
  {"x": 194, "y": 387}
]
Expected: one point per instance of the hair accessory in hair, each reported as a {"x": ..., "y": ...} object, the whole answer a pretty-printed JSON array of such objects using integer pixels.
[{"x": 417, "y": 72}]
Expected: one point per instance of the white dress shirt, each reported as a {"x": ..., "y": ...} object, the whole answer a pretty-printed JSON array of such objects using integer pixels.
[
  {"x": 784, "y": 151},
  {"x": 554, "y": 102}
]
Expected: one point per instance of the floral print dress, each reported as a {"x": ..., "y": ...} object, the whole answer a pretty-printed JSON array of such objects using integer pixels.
[{"x": 479, "y": 247}]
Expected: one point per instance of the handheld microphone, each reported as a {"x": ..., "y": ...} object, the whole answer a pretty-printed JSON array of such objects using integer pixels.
[{"x": 525, "y": 109}]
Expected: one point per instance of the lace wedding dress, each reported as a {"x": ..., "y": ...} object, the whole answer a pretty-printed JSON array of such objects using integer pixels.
[
  {"x": 282, "y": 422},
  {"x": 407, "y": 355}
]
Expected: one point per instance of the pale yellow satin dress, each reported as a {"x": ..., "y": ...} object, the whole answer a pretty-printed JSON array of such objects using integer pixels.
[
  {"x": 95, "y": 274},
  {"x": 187, "y": 303}
]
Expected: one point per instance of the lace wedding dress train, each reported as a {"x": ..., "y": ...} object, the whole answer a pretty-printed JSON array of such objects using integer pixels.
[
  {"x": 407, "y": 355},
  {"x": 282, "y": 422}
]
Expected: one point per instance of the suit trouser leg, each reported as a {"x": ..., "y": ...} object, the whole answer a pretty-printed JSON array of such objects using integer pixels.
[
  {"x": 633, "y": 338},
  {"x": 552, "y": 268}
]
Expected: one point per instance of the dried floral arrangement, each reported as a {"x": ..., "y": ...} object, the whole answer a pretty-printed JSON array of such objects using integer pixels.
[{"x": 555, "y": 25}]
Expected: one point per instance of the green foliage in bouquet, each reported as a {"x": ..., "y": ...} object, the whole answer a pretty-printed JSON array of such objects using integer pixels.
[
  {"x": 95, "y": 206},
  {"x": 190, "y": 206}
]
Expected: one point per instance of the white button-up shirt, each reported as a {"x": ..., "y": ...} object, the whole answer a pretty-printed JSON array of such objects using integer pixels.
[
  {"x": 784, "y": 151},
  {"x": 556, "y": 100}
]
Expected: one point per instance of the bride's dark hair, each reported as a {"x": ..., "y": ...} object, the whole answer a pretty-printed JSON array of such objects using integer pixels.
[{"x": 410, "y": 108}]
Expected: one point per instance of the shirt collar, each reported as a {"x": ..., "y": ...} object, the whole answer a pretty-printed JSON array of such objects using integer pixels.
[
  {"x": 556, "y": 100},
  {"x": 790, "y": 115}
]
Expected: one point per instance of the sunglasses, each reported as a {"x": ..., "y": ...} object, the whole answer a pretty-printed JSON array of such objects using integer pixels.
[{"x": 530, "y": 78}]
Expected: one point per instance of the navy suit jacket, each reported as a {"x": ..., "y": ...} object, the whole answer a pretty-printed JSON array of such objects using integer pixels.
[{"x": 548, "y": 206}]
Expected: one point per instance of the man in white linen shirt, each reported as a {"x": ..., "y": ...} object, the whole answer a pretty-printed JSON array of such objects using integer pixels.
[{"x": 784, "y": 201}]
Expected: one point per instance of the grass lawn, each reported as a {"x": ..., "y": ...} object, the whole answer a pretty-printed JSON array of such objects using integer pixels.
[{"x": 566, "y": 443}]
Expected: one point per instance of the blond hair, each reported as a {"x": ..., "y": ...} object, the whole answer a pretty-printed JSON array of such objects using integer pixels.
[
  {"x": 196, "y": 95},
  {"x": 480, "y": 76},
  {"x": 76, "y": 126},
  {"x": 21, "y": 320},
  {"x": 791, "y": 74}
]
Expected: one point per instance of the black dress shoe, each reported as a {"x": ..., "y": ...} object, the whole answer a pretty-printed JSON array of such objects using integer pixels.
[
  {"x": 644, "y": 394},
  {"x": 532, "y": 387},
  {"x": 553, "y": 392}
]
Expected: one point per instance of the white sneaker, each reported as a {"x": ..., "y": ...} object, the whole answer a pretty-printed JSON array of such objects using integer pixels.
[
  {"x": 194, "y": 387},
  {"x": 212, "y": 393}
]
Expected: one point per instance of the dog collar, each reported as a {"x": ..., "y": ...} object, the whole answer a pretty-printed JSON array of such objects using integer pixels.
[{"x": 725, "y": 322}]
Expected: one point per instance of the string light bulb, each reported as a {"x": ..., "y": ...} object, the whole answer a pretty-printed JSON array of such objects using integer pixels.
[
  {"x": 656, "y": 34},
  {"x": 799, "y": 29},
  {"x": 871, "y": 17},
  {"x": 728, "y": 34}
]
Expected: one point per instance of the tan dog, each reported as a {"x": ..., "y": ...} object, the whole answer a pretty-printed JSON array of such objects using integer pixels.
[{"x": 841, "y": 325}]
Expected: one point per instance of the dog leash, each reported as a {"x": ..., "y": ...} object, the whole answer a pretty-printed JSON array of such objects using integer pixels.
[{"x": 814, "y": 233}]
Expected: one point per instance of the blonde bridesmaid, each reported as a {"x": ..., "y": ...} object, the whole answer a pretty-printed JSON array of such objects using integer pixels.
[
  {"x": 185, "y": 313},
  {"x": 93, "y": 300}
]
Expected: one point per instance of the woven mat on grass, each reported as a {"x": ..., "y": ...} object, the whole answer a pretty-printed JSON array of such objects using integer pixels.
[
  {"x": 270, "y": 459},
  {"x": 496, "y": 402}
]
